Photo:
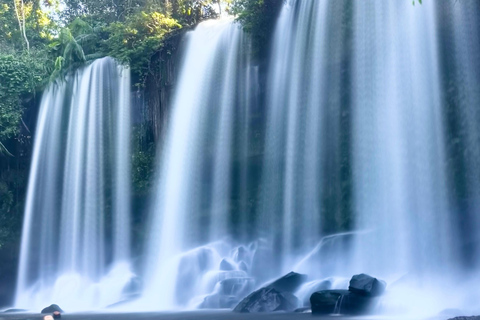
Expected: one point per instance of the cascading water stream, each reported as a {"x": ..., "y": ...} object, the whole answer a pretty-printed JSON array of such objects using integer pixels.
[
  {"x": 355, "y": 175},
  {"x": 192, "y": 200},
  {"x": 357, "y": 139},
  {"x": 75, "y": 248}
]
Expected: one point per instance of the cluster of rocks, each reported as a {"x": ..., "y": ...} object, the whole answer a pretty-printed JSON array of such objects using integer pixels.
[
  {"x": 276, "y": 296},
  {"x": 361, "y": 298}
]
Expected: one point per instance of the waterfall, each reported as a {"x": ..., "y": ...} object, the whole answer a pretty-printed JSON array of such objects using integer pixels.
[
  {"x": 192, "y": 203},
  {"x": 354, "y": 149},
  {"x": 75, "y": 246},
  {"x": 363, "y": 124}
]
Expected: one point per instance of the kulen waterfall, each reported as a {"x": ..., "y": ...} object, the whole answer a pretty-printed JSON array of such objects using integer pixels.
[{"x": 355, "y": 148}]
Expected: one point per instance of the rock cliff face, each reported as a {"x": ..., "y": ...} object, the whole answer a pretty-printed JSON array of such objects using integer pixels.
[{"x": 160, "y": 85}]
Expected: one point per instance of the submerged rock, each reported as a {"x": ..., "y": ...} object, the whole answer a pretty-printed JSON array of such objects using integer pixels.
[
  {"x": 51, "y": 309},
  {"x": 268, "y": 299},
  {"x": 289, "y": 282},
  {"x": 366, "y": 285}
]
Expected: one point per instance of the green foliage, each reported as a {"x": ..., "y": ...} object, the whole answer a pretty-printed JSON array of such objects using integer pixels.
[
  {"x": 143, "y": 164},
  {"x": 67, "y": 52},
  {"x": 257, "y": 18},
  {"x": 191, "y": 12},
  {"x": 136, "y": 40},
  {"x": 19, "y": 78}
]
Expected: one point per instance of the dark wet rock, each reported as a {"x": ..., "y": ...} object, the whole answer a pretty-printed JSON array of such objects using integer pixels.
[
  {"x": 341, "y": 302},
  {"x": 315, "y": 287},
  {"x": 51, "y": 309},
  {"x": 324, "y": 302},
  {"x": 268, "y": 299},
  {"x": 466, "y": 318},
  {"x": 289, "y": 282},
  {"x": 226, "y": 266},
  {"x": 15, "y": 310},
  {"x": 56, "y": 315},
  {"x": 366, "y": 285},
  {"x": 243, "y": 266}
]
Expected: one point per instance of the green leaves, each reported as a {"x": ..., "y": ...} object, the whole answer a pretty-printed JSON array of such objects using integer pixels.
[
  {"x": 136, "y": 40},
  {"x": 19, "y": 77}
]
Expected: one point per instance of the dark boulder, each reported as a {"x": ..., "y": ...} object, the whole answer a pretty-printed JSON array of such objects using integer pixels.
[
  {"x": 226, "y": 266},
  {"x": 51, "y": 309},
  {"x": 366, "y": 285},
  {"x": 268, "y": 299},
  {"x": 341, "y": 302},
  {"x": 466, "y": 318},
  {"x": 324, "y": 302},
  {"x": 289, "y": 282},
  {"x": 315, "y": 286}
]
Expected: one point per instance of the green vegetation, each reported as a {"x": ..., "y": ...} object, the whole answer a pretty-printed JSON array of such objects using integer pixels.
[{"x": 258, "y": 19}]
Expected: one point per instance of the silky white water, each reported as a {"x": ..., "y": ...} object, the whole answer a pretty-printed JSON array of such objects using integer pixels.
[
  {"x": 75, "y": 247},
  {"x": 357, "y": 123},
  {"x": 192, "y": 204},
  {"x": 352, "y": 148}
]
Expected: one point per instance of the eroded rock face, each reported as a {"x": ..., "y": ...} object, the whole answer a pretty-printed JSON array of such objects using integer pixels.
[
  {"x": 268, "y": 299},
  {"x": 289, "y": 282},
  {"x": 51, "y": 309},
  {"x": 366, "y": 285}
]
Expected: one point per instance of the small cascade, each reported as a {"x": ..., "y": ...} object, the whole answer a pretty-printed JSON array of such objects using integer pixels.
[
  {"x": 338, "y": 306},
  {"x": 75, "y": 247}
]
